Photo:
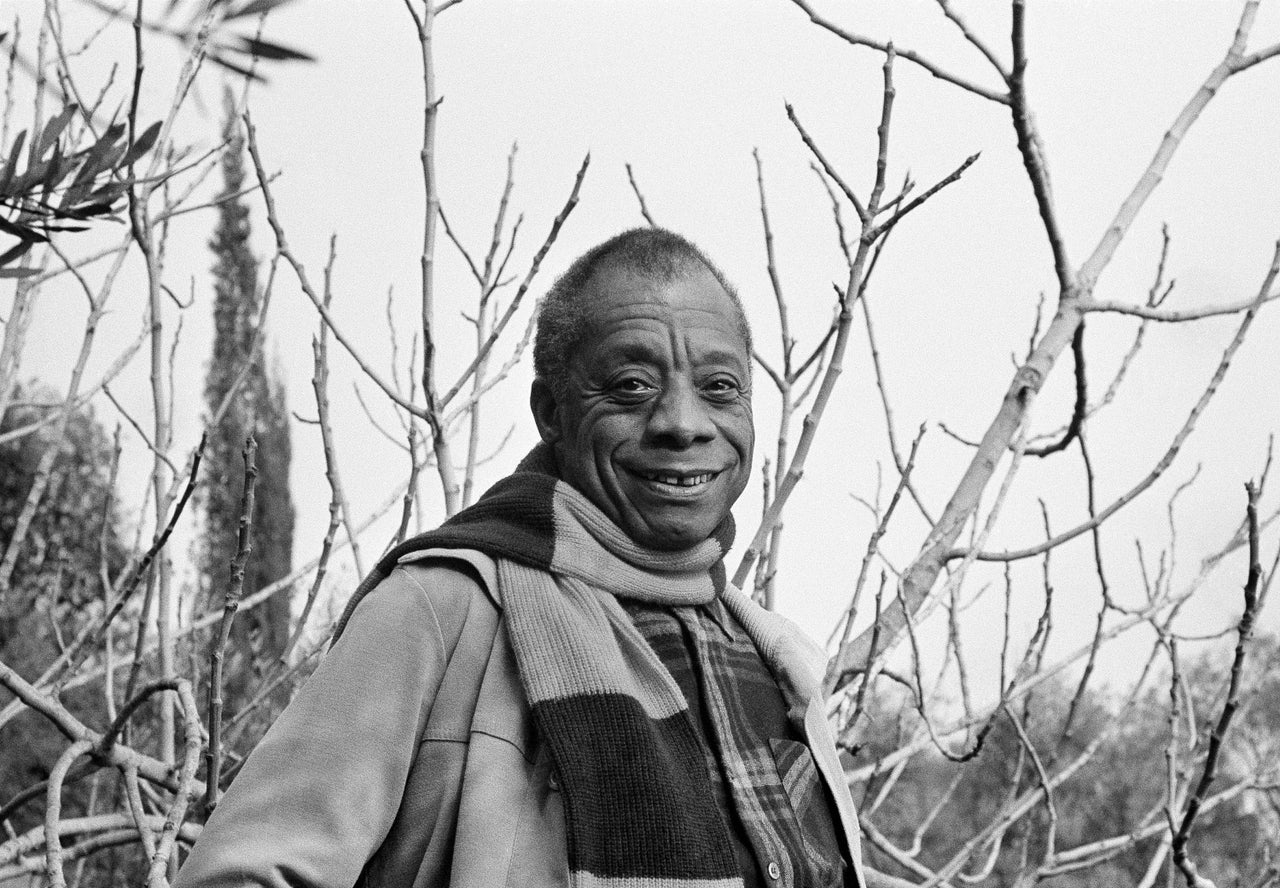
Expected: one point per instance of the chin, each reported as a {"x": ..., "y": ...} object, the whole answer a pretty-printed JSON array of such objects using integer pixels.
[
  {"x": 675, "y": 538},
  {"x": 671, "y": 544}
]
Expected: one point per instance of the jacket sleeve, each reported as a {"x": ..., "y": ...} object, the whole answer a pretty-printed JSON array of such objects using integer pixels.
[{"x": 319, "y": 793}]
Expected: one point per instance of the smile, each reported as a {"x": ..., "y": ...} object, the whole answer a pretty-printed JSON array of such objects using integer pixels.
[
  {"x": 676, "y": 484},
  {"x": 680, "y": 480}
]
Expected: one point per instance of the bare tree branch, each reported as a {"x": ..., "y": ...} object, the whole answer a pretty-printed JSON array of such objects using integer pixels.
[
  {"x": 1232, "y": 63},
  {"x": 854, "y": 288},
  {"x": 1181, "y": 858},
  {"x": 282, "y": 246},
  {"x": 949, "y": 11},
  {"x": 230, "y": 604},
  {"x": 827, "y": 167},
  {"x": 644, "y": 210},
  {"x": 910, "y": 55},
  {"x": 1151, "y": 313},
  {"x": 1167, "y": 459},
  {"x": 501, "y": 325}
]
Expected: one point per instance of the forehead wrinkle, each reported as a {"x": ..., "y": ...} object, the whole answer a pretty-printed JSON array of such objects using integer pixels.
[
  {"x": 682, "y": 330},
  {"x": 679, "y": 343},
  {"x": 687, "y": 351},
  {"x": 630, "y": 333},
  {"x": 632, "y": 312},
  {"x": 629, "y": 308}
]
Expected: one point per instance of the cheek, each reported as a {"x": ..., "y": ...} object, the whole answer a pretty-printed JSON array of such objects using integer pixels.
[
  {"x": 607, "y": 430},
  {"x": 599, "y": 438},
  {"x": 740, "y": 431}
]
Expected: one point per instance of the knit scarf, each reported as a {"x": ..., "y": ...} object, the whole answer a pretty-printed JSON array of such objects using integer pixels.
[{"x": 639, "y": 806}]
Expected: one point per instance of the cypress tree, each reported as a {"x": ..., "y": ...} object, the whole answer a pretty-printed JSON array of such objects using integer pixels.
[{"x": 257, "y": 406}]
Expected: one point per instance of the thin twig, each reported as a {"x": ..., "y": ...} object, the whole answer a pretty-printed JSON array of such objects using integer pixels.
[
  {"x": 837, "y": 215},
  {"x": 873, "y": 543},
  {"x": 282, "y": 247},
  {"x": 1244, "y": 629},
  {"x": 886, "y": 406},
  {"x": 187, "y": 787},
  {"x": 862, "y": 211},
  {"x": 488, "y": 285},
  {"x": 1080, "y": 406},
  {"x": 285, "y": 670},
  {"x": 867, "y": 677},
  {"x": 93, "y": 634},
  {"x": 320, "y": 384},
  {"x": 448, "y": 230},
  {"x": 411, "y": 488},
  {"x": 230, "y": 604},
  {"x": 1045, "y": 784},
  {"x": 973, "y": 38},
  {"x": 854, "y": 289},
  {"x": 918, "y": 694},
  {"x": 910, "y": 55},
  {"x": 1173, "y": 316},
  {"x": 644, "y": 209},
  {"x": 449, "y": 485},
  {"x": 953, "y": 176},
  {"x": 1166, "y": 460},
  {"x": 771, "y": 557},
  {"x": 265, "y": 594},
  {"x": 339, "y": 510},
  {"x": 1031, "y": 148},
  {"x": 556, "y": 224},
  {"x": 255, "y": 347}
]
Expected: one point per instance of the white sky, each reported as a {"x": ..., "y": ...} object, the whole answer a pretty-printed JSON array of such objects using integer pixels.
[{"x": 684, "y": 92}]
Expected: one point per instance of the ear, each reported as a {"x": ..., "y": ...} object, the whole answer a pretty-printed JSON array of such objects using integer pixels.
[{"x": 546, "y": 411}]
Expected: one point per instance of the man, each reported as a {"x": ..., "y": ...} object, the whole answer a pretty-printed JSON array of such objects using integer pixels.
[{"x": 558, "y": 686}]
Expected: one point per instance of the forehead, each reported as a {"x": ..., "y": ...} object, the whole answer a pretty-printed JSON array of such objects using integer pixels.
[{"x": 620, "y": 303}]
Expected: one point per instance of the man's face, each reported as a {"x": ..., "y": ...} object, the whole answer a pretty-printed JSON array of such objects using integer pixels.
[{"x": 655, "y": 426}]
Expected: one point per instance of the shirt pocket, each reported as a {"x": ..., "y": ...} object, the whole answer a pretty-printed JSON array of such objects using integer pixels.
[{"x": 814, "y": 815}]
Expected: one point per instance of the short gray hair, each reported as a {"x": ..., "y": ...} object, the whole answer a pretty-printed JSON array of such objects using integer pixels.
[{"x": 654, "y": 253}]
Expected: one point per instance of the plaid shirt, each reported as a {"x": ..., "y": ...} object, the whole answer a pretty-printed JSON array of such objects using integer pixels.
[{"x": 764, "y": 777}]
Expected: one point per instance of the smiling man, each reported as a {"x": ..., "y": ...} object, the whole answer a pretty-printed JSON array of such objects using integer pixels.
[
  {"x": 558, "y": 686},
  {"x": 648, "y": 414}
]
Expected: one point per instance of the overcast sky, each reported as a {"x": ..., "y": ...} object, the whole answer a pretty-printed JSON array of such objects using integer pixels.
[{"x": 684, "y": 92}]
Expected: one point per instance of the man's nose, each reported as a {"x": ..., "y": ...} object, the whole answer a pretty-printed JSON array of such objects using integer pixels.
[{"x": 681, "y": 418}]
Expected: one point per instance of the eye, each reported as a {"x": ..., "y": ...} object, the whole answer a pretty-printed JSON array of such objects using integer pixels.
[
  {"x": 631, "y": 388},
  {"x": 722, "y": 388}
]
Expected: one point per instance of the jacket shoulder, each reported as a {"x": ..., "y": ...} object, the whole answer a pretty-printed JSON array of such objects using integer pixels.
[
  {"x": 432, "y": 568},
  {"x": 451, "y": 595}
]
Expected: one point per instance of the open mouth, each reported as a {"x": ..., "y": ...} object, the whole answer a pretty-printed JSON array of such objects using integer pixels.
[
  {"x": 678, "y": 483},
  {"x": 680, "y": 480}
]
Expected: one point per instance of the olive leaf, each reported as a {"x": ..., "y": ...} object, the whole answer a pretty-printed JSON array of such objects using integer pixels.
[{"x": 63, "y": 186}]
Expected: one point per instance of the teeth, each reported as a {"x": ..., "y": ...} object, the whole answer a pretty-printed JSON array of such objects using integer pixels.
[{"x": 677, "y": 481}]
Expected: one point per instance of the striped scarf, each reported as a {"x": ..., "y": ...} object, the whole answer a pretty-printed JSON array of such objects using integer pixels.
[{"x": 640, "y": 810}]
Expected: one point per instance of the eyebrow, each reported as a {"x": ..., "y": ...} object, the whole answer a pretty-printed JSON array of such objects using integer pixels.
[
  {"x": 634, "y": 350},
  {"x": 723, "y": 356}
]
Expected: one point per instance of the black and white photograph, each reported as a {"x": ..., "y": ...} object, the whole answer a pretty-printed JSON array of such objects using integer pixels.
[{"x": 639, "y": 443}]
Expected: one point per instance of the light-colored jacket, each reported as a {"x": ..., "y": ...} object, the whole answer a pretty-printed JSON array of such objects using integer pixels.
[{"x": 410, "y": 758}]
